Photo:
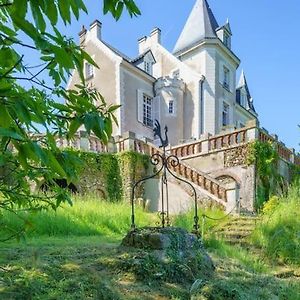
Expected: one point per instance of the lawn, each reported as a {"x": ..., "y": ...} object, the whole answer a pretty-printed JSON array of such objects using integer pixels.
[{"x": 74, "y": 253}]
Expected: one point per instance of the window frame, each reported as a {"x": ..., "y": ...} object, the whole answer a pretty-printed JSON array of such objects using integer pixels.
[
  {"x": 148, "y": 67},
  {"x": 171, "y": 107},
  {"x": 147, "y": 110},
  {"x": 226, "y": 77},
  {"x": 89, "y": 70},
  {"x": 226, "y": 39}
]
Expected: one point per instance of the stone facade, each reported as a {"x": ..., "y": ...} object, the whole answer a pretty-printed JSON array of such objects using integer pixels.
[{"x": 193, "y": 90}]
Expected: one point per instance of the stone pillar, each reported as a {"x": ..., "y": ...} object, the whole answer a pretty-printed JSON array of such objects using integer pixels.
[
  {"x": 252, "y": 134},
  {"x": 232, "y": 194},
  {"x": 84, "y": 141},
  {"x": 111, "y": 146},
  {"x": 205, "y": 143},
  {"x": 292, "y": 156},
  {"x": 129, "y": 138}
]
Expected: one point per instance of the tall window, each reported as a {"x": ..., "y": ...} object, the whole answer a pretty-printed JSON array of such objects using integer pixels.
[
  {"x": 226, "y": 77},
  {"x": 225, "y": 114},
  {"x": 89, "y": 70},
  {"x": 147, "y": 111},
  {"x": 148, "y": 67},
  {"x": 171, "y": 107}
]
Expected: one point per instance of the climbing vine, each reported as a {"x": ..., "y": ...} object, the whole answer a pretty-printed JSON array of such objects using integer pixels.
[
  {"x": 265, "y": 157},
  {"x": 110, "y": 175}
]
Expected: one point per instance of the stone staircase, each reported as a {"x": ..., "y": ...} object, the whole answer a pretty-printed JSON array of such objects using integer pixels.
[
  {"x": 236, "y": 230},
  {"x": 209, "y": 186}
]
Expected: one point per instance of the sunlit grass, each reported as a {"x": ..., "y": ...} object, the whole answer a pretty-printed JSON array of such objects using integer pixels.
[
  {"x": 278, "y": 234},
  {"x": 88, "y": 216}
]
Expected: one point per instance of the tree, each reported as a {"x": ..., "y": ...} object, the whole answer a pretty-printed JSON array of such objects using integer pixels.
[{"x": 28, "y": 104}]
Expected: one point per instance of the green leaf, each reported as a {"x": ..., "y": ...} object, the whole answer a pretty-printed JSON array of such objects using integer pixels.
[
  {"x": 37, "y": 16},
  {"x": 5, "y": 118},
  {"x": 74, "y": 125},
  {"x": 52, "y": 12},
  {"x": 119, "y": 10},
  {"x": 10, "y": 133},
  {"x": 26, "y": 26},
  {"x": 64, "y": 10}
]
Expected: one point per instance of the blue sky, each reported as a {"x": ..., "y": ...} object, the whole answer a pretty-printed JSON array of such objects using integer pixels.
[{"x": 265, "y": 38}]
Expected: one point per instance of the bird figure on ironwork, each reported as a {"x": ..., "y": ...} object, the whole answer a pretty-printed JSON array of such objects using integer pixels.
[{"x": 157, "y": 132}]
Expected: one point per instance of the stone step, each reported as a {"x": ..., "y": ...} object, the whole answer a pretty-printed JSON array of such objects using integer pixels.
[{"x": 237, "y": 230}]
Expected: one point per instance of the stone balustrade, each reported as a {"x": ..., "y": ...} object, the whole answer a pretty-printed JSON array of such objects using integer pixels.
[
  {"x": 205, "y": 182},
  {"x": 216, "y": 143},
  {"x": 283, "y": 152}
]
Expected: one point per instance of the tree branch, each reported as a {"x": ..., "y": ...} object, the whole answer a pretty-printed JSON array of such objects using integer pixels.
[
  {"x": 15, "y": 41},
  {"x": 42, "y": 70},
  {"x": 32, "y": 80},
  {"x": 13, "y": 67},
  {"x": 6, "y": 4}
]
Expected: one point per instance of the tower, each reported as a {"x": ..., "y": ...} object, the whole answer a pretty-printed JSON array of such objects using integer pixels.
[{"x": 206, "y": 47}]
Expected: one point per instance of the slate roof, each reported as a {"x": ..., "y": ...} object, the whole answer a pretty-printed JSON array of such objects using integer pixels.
[
  {"x": 200, "y": 24},
  {"x": 243, "y": 84},
  {"x": 116, "y": 51},
  {"x": 141, "y": 57}
]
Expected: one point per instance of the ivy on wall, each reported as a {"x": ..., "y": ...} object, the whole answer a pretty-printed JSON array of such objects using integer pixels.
[
  {"x": 109, "y": 175},
  {"x": 265, "y": 157}
]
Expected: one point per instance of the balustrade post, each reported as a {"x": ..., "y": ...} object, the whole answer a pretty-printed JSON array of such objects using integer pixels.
[
  {"x": 128, "y": 139},
  {"x": 292, "y": 155},
  {"x": 83, "y": 141},
  {"x": 205, "y": 147}
]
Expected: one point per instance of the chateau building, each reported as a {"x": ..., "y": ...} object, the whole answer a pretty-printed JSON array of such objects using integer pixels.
[{"x": 192, "y": 89}]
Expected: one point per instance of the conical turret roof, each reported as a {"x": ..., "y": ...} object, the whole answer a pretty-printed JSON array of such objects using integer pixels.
[{"x": 200, "y": 24}]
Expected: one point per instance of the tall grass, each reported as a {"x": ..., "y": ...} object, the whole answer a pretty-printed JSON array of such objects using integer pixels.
[
  {"x": 185, "y": 220},
  {"x": 87, "y": 217},
  {"x": 279, "y": 231}
]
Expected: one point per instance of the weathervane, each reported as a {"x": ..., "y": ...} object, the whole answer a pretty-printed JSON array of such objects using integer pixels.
[{"x": 164, "y": 162}]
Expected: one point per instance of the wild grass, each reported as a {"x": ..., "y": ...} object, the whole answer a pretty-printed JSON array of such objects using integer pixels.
[
  {"x": 278, "y": 234},
  {"x": 88, "y": 216},
  {"x": 186, "y": 220}
]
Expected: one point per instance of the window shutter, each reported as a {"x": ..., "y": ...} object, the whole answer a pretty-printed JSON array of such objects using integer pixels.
[
  {"x": 140, "y": 106},
  {"x": 156, "y": 109}
]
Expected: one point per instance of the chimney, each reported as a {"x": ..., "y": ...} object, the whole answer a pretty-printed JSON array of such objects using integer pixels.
[
  {"x": 142, "y": 43},
  {"x": 95, "y": 29},
  {"x": 156, "y": 35},
  {"x": 82, "y": 34}
]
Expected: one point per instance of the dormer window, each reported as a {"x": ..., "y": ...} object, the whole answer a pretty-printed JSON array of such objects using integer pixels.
[
  {"x": 226, "y": 39},
  {"x": 145, "y": 62},
  {"x": 243, "y": 101}
]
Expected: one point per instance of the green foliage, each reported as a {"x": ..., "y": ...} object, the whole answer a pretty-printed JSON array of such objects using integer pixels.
[
  {"x": 278, "y": 232},
  {"x": 28, "y": 105},
  {"x": 295, "y": 173},
  {"x": 270, "y": 205},
  {"x": 116, "y": 172},
  {"x": 116, "y": 7},
  {"x": 265, "y": 158}
]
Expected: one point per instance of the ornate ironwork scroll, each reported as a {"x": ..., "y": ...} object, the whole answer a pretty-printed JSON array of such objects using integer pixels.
[{"x": 164, "y": 163}]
